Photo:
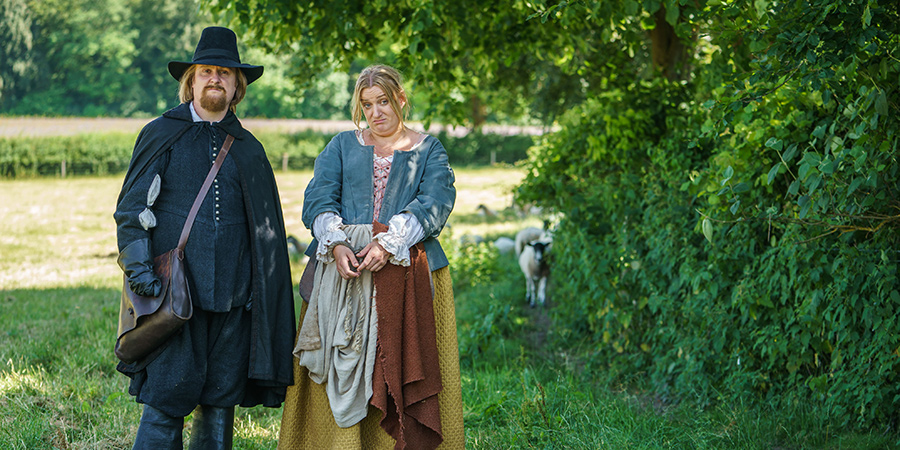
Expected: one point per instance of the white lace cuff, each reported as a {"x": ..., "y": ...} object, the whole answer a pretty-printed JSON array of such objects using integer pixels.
[
  {"x": 327, "y": 230},
  {"x": 404, "y": 231}
]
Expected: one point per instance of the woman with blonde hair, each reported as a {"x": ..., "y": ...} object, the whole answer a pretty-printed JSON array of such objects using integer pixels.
[{"x": 377, "y": 355}]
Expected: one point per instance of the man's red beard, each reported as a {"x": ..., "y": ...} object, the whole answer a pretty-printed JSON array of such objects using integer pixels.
[{"x": 211, "y": 103}]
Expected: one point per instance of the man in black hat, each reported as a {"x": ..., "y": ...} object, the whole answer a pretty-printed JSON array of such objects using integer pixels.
[{"x": 236, "y": 348}]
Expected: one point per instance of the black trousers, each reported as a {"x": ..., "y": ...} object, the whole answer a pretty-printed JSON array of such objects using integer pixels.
[{"x": 206, "y": 363}]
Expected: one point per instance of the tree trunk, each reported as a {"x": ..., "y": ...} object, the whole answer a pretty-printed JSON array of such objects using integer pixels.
[
  {"x": 479, "y": 115},
  {"x": 667, "y": 50}
]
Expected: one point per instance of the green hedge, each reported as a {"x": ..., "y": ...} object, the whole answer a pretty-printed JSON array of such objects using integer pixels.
[
  {"x": 109, "y": 153},
  {"x": 95, "y": 154},
  {"x": 301, "y": 148},
  {"x": 747, "y": 251},
  {"x": 480, "y": 149}
]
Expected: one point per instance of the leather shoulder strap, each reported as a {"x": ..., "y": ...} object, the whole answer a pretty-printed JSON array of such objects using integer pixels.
[{"x": 186, "y": 231}]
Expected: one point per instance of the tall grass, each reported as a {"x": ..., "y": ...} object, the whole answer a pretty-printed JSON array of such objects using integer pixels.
[{"x": 523, "y": 385}]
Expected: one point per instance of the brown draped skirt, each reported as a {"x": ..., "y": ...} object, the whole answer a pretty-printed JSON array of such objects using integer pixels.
[{"x": 307, "y": 421}]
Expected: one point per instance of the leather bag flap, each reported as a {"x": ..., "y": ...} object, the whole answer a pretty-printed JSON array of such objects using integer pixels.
[{"x": 136, "y": 306}]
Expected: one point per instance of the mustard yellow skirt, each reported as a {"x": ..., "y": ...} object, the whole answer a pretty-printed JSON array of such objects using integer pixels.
[{"x": 307, "y": 421}]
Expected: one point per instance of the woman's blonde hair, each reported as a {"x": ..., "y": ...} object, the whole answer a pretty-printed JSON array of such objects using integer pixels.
[
  {"x": 390, "y": 81},
  {"x": 186, "y": 86}
]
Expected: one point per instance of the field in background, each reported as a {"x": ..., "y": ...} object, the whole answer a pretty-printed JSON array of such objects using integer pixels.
[
  {"x": 65, "y": 126},
  {"x": 56, "y": 233}
]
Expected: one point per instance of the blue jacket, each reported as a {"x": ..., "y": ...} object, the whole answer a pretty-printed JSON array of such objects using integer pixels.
[{"x": 421, "y": 183}]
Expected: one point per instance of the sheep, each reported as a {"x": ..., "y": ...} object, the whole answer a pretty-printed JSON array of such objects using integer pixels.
[
  {"x": 524, "y": 209},
  {"x": 296, "y": 248},
  {"x": 470, "y": 239},
  {"x": 533, "y": 260},
  {"x": 526, "y": 235},
  {"x": 504, "y": 245},
  {"x": 484, "y": 211}
]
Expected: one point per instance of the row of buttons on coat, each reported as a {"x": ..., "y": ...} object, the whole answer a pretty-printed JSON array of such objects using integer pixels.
[{"x": 216, "y": 182}]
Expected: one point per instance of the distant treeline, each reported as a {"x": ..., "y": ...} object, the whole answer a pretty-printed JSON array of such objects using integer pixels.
[
  {"x": 109, "y": 153},
  {"x": 108, "y": 58}
]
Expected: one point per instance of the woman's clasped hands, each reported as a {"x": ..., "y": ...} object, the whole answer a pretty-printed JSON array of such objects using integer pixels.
[{"x": 373, "y": 257}]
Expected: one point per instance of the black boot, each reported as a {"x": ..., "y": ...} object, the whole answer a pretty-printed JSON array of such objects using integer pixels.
[
  {"x": 213, "y": 428},
  {"x": 158, "y": 430}
]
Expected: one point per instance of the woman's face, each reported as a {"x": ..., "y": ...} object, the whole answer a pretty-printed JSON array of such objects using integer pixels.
[{"x": 382, "y": 119}]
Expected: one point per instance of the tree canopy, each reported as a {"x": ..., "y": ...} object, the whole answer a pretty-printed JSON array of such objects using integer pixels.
[
  {"x": 108, "y": 58},
  {"x": 470, "y": 58}
]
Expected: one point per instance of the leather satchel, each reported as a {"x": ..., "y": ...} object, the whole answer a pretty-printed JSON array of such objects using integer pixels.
[{"x": 146, "y": 323}]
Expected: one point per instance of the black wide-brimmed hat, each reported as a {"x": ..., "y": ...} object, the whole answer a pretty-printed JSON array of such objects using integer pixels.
[{"x": 217, "y": 47}]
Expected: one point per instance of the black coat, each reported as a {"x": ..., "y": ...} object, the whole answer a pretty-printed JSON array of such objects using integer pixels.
[{"x": 272, "y": 303}]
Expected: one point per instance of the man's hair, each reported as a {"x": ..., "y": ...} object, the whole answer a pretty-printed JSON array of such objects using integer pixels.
[
  {"x": 389, "y": 80},
  {"x": 186, "y": 86}
]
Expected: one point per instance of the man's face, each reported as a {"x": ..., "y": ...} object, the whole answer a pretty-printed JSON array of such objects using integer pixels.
[{"x": 214, "y": 86}]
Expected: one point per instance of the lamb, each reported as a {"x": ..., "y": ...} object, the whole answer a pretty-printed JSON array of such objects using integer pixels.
[
  {"x": 504, "y": 245},
  {"x": 536, "y": 268},
  {"x": 526, "y": 235},
  {"x": 470, "y": 239},
  {"x": 484, "y": 211},
  {"x": 296, "y": 248},
  {"x": 534, "y": 262}
]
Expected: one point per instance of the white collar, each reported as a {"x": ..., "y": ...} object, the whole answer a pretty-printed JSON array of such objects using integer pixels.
[{"x": 196, "y": 116}]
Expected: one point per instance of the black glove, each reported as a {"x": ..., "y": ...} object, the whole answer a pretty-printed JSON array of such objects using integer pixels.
[{"x": 135, "y": 261}]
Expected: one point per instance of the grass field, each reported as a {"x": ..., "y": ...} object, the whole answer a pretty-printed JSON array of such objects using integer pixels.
[
  {"x": 59, "y": 300},
  {"x": 59, "y": 294}
]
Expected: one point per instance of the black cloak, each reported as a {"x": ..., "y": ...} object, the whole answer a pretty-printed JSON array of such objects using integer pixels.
[{"x": 273, "y": 327}]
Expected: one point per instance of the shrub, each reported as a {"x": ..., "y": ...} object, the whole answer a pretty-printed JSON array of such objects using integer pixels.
[
  {"x": 704, "y": 264},
  {"x": 300, "y": 148},
  {"x": 94, "y": 154},
  {"x": 110, "y": 153},
  {"x": 480, "y": 149}
]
